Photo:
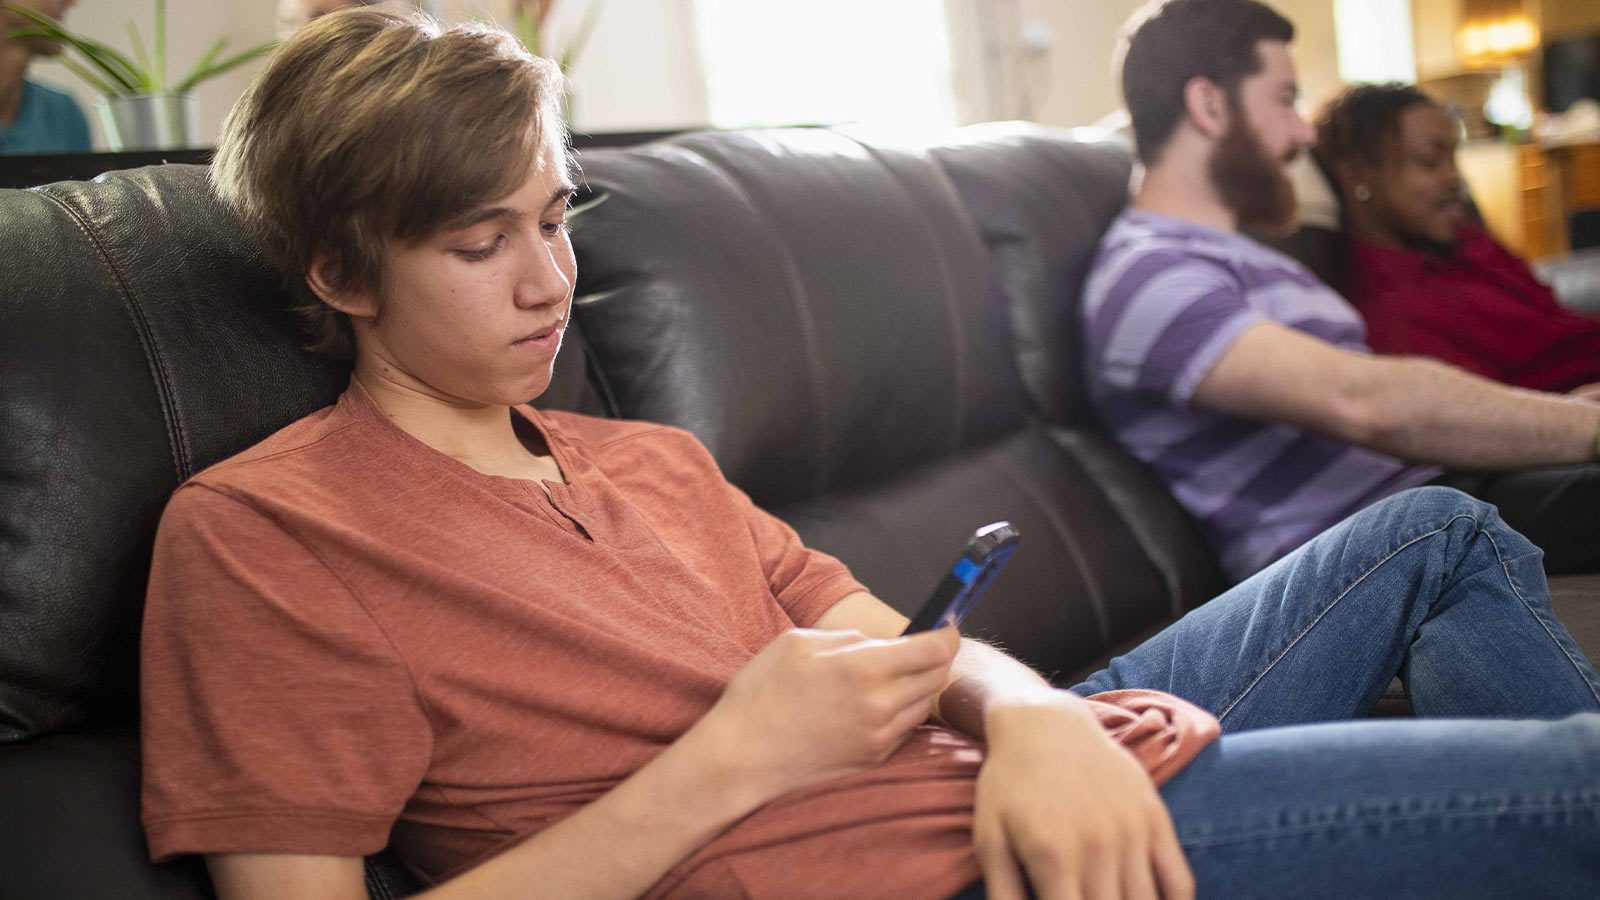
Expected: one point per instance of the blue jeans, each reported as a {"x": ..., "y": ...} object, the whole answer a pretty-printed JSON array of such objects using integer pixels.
[{"x": 1431, "y": 586}]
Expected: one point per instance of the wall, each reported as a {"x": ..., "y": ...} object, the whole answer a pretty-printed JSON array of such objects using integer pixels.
[
  {"x": 639, "y": 71},
  {"x": 1564, "y": 18},
  {"x": 1074, "y": 84},
  {"x": 192, "y": 27}
]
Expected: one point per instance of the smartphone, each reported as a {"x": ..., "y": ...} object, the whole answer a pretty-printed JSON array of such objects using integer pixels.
[{"x": 977, "y": 565}]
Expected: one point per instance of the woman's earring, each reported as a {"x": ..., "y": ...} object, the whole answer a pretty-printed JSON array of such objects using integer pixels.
[{"x": 1363, "y": 193}]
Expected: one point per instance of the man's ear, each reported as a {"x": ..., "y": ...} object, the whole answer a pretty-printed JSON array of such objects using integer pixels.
[
  {"x": 1205, "y": 104},
  {"x": 323, "y": 277}
]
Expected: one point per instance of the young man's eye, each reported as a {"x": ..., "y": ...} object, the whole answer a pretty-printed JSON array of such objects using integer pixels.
[
  {"x": 555, "y": 228},
  {"x": 479, "y": 254}
]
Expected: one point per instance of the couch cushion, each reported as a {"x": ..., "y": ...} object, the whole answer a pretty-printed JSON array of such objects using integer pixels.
[
  {"x": 823, "y": 313},
  {"x": 1041, "y": 198},
  {"x": 817, "y": 311}
]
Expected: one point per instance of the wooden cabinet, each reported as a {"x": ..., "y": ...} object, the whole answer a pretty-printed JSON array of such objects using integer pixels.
[{"x": 1527, "y": 193}]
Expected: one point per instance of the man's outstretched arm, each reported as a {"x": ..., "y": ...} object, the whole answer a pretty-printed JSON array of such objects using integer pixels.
[{"x": 1417, "y": 409}]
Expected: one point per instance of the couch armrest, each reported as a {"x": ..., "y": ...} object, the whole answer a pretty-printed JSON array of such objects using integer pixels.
[
  {"x": 1575, "y": 279},
  {"x": 69, "y": 810},
  {"x": 1576, "y": 599}
]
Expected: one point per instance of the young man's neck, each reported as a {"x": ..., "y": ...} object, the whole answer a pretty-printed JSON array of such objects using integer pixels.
[
  {"x": 14, "y": 59},
  {"x": 1182, "y": 189},
  {"x": 481, "y": 436}
]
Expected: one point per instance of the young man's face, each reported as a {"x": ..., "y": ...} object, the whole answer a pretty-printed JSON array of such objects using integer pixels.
[
  {"x": 475, "y": 313},
  {"x": 1416, "y": 191},
  {"x": 1249, "y": 164}
]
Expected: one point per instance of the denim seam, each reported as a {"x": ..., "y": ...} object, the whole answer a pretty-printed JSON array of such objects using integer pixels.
[
  {"x": 1579, "y": 808},
  {"x": 1516, "y": 588},
  {"x": 1329, "y": 608}
]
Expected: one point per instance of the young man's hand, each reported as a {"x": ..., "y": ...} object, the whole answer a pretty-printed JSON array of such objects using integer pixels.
[
  {"x": 815, "y": 705},
  {"x": 1059, "y": 800}
]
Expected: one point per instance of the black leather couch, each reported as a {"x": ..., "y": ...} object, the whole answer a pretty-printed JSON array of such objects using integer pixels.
[{"x": 876, "y": 341}]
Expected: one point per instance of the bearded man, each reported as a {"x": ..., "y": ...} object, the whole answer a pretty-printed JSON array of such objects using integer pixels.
[
  {"x": 1243, "y": 381},
  {"x": 34, "y": 118}
]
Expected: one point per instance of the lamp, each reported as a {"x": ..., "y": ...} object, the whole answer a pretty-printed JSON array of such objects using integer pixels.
[{"x": 1493, "y": 32}]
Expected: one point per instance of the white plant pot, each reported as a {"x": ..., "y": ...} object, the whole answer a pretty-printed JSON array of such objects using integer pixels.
[{"x": 150, "y": 121}]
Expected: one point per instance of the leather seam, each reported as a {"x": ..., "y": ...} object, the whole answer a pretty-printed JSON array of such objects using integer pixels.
[
  {"x": 801, "y": 301},
  {"x": 1085, "y": 571},
  {"x": 946, "y": 277},
  {"x": 176, "y": 439}
]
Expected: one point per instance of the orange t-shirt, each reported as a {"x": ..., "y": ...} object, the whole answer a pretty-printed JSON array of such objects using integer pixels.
[{"x": 351, "y": 639}]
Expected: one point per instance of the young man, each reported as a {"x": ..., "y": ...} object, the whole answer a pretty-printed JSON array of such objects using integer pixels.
[
  {"x": 1426, "y": 280},
  {"x": 545, "y": 655},
  {"x": 35, "y": 118},
  {"x": 1244, "y": 382}
]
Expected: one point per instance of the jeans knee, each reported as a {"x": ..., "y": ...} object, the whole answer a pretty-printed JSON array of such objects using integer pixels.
[{"x": 1436, "y": 506}]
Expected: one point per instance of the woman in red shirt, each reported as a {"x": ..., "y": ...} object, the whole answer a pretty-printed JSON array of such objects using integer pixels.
[{"x": 1428, "y": 279}]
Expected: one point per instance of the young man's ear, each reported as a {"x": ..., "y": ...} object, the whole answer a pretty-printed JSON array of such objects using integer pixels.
[
  {"x": 323, "y": 279},
  {"x": 1205, "y": 104}
]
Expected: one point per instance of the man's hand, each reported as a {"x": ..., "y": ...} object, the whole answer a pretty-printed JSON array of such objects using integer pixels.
[
  {"x": 1059, "y": 800},
  {"x": 815, "y": 705}
]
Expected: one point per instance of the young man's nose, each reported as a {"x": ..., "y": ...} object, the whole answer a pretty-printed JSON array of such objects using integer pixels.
[{"x": 544, "y": 281}]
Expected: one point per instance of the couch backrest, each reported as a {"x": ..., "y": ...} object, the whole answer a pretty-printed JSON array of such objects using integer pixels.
[
  {"x": 830, "y": 316},
  {"x": 840, "y": 320}
]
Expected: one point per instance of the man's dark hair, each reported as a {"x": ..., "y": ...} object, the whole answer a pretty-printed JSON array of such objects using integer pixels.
[
  {"x": 1171, "y": 41},
  {"x": 1360, "y": 121}
]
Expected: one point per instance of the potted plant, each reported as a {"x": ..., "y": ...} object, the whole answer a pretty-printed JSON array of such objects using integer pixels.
[
  {"x": 530, "y": 21},
  {"x": 139, "y": 107}
]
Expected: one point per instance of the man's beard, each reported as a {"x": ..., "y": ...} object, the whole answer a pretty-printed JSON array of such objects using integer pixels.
[{"x": 1250, "y": 182}]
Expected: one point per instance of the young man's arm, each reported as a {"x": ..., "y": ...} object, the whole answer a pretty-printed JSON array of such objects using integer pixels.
[
  {"x": 810, "y": 706},
  {"x": 1413, "y": 408},
  {"x": 1057, "y": 797}
]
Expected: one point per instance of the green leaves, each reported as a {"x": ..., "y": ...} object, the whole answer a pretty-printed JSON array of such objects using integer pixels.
[
  {"x": 116, "y": 74},
  {"x": 529, "y": 26}
]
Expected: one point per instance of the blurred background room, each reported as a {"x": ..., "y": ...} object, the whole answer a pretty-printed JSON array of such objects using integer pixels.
[{"x": 1523, "y": 75}]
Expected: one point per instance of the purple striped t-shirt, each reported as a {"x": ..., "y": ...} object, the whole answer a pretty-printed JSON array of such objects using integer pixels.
[{"x": 1165, "y": 299}]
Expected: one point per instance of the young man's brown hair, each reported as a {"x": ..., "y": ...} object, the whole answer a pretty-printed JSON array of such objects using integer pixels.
[
  {"x": 378, "y": 124},
  {"x": 1173, "y": 41}
]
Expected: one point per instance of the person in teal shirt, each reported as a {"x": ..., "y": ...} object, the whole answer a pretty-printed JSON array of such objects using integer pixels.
[{"x": 35, "y": 118}]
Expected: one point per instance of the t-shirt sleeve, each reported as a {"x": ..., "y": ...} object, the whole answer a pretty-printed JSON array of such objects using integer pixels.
[
  {"x": 806, "y": 582},
  {"x": 1163, "y": 324},
  {"x": 276, "y": 716}
]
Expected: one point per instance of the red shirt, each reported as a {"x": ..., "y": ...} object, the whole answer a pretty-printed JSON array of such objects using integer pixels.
[
  {"x": 352, "y": 639},
  {"x": 1480, "y": 309}
]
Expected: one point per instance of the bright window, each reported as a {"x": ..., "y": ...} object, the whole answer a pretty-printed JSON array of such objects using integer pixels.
[
  {"x": 882, "y": 62},
  {"x": 1374, "y": 38}
]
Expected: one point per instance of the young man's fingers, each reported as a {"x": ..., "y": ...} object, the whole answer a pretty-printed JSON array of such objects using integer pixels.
[
  {"x": 1172, "y": 872},
  {"x": 1138, "y": 874},
  {"x": 893, "y": 657},
  {"x": 918, "y": 688},
  {"x": 1002, "y": 876}
]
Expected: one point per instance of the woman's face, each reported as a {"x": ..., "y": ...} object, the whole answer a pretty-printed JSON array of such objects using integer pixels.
[
  {"x": 1416, "y": 188},
  {"x": 474, "y": 314}
]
